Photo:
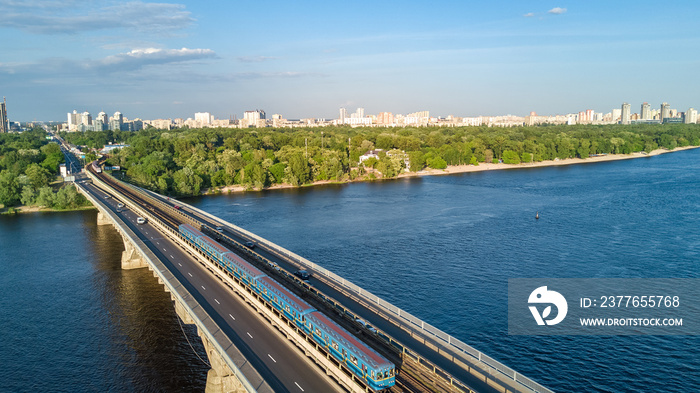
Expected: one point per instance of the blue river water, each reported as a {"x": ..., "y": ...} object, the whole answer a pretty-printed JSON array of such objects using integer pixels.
[{"x": 440, "y": 247}]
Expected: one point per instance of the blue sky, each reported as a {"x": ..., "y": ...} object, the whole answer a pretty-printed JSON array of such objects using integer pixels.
[{"x": 308, "y": 58}]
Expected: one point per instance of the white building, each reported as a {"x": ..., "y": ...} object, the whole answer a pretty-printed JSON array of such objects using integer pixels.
[{"x": 203, "y": 118}]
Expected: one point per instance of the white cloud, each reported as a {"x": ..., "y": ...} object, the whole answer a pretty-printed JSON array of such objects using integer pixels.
[
  {"x": 88, "y": 69},
  {"x": 50, "y": 17},
  {"x": 529, "y": 15},
  {"x": 557, "y": 11},
  {"x": 138, "y": 58},
  {"x": 255, "y": 59}
]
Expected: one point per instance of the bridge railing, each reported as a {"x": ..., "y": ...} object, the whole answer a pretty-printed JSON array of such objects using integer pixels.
[
  {"x": 431, "y": 334},
  {"x": 234, "y": 359}
]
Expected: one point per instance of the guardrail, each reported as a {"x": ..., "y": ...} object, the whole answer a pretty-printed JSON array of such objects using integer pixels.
[
  {"x": 241, "y": 368},
  {"x": 449, "y": 344}
]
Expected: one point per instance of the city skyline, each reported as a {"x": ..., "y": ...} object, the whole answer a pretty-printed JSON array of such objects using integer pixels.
[
  {"x": 162, "y": 60},
  {"x": 83, "y": 121}
]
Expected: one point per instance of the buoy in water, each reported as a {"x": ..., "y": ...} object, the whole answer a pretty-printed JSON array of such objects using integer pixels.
[{"x": 537, "y": 216}]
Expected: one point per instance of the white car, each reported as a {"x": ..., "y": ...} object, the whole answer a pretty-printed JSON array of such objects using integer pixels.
[{"x": 140, "y": 220}]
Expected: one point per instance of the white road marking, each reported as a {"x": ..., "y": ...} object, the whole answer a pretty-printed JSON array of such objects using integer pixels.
[
  {"x": 203, "y": 287},
  {"x": 299, "y": 386},
  {"x": 217, "y": 302},
  {"x": 248, "y": 334},
  {"x": 273, "y": 359},
  {"x": 172, "y": 257},
  {"x": 164, "y": 249},
  {"x": 179, "y": 264},
  {"x": 232, "y": 317},
  {"x": 189, "y": 274}
]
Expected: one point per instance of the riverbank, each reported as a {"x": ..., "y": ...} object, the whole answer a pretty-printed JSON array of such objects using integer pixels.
[
  {"x": 569, "y": 161},
  {"x": 454, "y": 169},
  {"x": 41, "y": 209}
]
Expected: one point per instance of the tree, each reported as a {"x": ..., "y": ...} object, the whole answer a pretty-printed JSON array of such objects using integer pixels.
[
  {"x": 186, "y": 182},
  {"x": 9, "y": 189},
  {"x": 277, "y": 172},
  {"x": 38, "y": 176},
  {"x": 416, "y": 160},
  {"x": 510, "y": 157},
  {"x": 437, "y": 163},
  {"x": 28, "y": 195},
  {"x": 298, "y": 170},
  {"x": 45, "y": 197}
]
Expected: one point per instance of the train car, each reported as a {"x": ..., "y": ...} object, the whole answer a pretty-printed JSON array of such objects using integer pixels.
[
  {"x": 243, "y": 270},
  {"x": 293, "y": 307},
  {"x": 374, "y": 369},
  {"x": 96, "y": 167},
  {"x": 190, "y": 233}
]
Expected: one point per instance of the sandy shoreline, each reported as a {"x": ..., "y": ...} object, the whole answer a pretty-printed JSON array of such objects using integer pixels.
[
  {"x": 569, "y": 161},
  {"x": 450, "y": 170}
]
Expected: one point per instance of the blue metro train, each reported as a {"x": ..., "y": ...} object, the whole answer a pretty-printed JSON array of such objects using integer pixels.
[{"x": 367, "y": 364}]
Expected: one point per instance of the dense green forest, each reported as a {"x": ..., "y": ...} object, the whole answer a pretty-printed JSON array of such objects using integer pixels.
[
  {"x": 184, "y": 162},
  {"x": 28, "y": 165}
]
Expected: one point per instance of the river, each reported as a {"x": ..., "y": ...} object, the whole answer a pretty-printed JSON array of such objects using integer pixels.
[{"x": 440, "y": 247}]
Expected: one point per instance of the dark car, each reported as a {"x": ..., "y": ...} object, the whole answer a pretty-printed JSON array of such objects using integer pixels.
[
  {"x": 303, "y": 274},
  {"x": 250, "y": 244}
]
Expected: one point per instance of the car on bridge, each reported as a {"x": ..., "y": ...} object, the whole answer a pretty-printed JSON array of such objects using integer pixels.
[
  {"x": 140, "y": 220},
  {"x": 250, "y": 244},
  {"x": 303, "y": 274}
]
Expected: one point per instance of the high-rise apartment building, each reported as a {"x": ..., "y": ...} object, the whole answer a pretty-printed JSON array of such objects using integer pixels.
[
  {"x": 646, "y": 111},
  {"x": 665, "y": 111},
  {"x": 625, "y": 114},
  {"x": 86, "y": 118},
  {"x": 103, "y": 118},
  {"x": 4, "y": 125},
  {"x": 343, "y": 115},
  {"x": 616, "y": 114},
  {"x": 691, "y": 116},
  {"x": 116, "y": 121},
  {"x": 203, "y": 118}
]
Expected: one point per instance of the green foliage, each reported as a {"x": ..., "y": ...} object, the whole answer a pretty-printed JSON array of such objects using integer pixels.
[
  {"x": 510, "y": 157},
  {"x": 157, "y": 159},
  {"x": 38, "y": 176},
  {"x": 9, "y": 189},
  {"x": 437, "y": 163},
  {"x": 277, "y": 172}
]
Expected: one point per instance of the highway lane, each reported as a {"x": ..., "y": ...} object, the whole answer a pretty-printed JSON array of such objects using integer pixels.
[
  {"x": 360, "y": 310},
  {"x": 283, "y": 366}
]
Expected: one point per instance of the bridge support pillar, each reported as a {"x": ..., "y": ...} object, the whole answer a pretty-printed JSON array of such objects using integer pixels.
[
  {"x": 131, "y": 258},
  {"x": 180, "y": 311},
  {"x": 220, "y": 378},
  {"x": 103, "y": 219}
]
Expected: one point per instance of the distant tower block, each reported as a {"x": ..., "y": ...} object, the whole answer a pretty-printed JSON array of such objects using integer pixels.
[
  {"x": 4, "y": 126},
  {"x": 625, "y": 115}
]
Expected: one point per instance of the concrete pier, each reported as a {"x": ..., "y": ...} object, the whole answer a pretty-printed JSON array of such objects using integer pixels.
[{"x": 131, "y": 257}]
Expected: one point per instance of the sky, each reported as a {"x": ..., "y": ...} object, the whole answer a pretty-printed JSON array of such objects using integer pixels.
[{"x": 304, "y": 59}]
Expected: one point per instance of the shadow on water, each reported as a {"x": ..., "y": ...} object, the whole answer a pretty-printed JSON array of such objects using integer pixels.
[{"x": 75, "y": 321}]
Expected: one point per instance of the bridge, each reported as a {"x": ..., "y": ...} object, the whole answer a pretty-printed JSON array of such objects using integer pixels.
[{"x": 250, "y": 346}]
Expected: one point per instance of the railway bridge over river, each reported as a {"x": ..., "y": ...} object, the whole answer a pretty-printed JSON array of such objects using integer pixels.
[{"x": 249, "y": 345}]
